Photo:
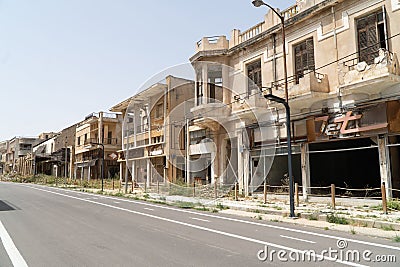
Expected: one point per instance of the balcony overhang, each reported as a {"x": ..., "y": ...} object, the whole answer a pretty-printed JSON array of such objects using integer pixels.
[{"x": 373, "y": 86}]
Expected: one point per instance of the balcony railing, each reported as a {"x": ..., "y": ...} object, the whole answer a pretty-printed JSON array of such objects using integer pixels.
[
  {"x": 250, "y": 33},
  {"x": 373, "y": 74},
  {"x": 106, "y": 141}
]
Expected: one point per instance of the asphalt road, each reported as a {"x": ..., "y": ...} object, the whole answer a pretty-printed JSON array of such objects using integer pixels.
[{"x": 41, "y": 226}]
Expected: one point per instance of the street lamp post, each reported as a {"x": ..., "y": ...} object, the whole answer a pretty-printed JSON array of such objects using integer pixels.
[
  {"x": 258, "y": 3},
  {"x": 102, "y": 163},
  {"x": 285, "y": 102},
  {"x": 289, "y": 144}
]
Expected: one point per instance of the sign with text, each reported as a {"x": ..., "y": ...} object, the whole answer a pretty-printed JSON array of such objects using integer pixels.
[{"x": 348, "y": 124}]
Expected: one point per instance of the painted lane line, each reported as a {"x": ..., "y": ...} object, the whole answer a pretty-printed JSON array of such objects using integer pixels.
[
  {"x": 198, "y": 219},
  {"x": 298, "y": 239},
  {"x": 12, "y": 251},
  {"x": 232, "y": 235},
  {"x": 117, "y": 202},
  {"x": 245, "y": 222},
  {"x": 148, "y": 209}
]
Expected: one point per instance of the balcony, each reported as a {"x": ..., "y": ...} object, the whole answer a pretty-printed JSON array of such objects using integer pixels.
[
  {"x": 303, "y": 91},
  {"x": 211, "y": 112},
  {"x": 369, "y": 79},
  {"x": 213, "y": 43},
  {"x": 244, "y": 108}
]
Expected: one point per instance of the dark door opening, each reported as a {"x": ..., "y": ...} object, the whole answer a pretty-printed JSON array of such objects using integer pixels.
[{"x": 353, "y": 169}]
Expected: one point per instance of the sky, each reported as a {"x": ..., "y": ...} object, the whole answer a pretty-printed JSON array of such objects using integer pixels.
[{"x": 61, "y": 60}]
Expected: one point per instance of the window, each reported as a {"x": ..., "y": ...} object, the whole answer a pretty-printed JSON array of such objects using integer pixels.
[
  {"x": 214, "y": 81},
  {"x": 199, "y": 87},
  {"x": 159, "y": 110},
  {"x": 254, "y": 74},
  {"x": 304, "y": 58},
  {"x": 144, "y": 124},
  {"x": 109, "y": 138},
  {"x": 85, "y": 139},
  {"x": 79, "y": 141},
  {"x": 371, "y": 31}
]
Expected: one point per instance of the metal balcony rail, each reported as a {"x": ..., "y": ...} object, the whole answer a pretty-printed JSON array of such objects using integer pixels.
[{"x": 351, "y": 63}]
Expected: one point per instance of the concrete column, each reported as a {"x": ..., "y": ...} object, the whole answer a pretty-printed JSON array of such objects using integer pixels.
[
  {"x": 188, "y": 180},
  {"x": 88, "y": 175},
  {"x": 305, "y": 170},
  {"x": 126, "y": 173},
  {"x": 246, "y": 171},
  {"x": 133, "y": 172},
  {"x": 213, "y": 166},
  {"x": 384, "y": 164},
  {"x": 121, "y": 170},
  {"x": 75, "y": 172},
  {"x": 135, "y": 124},
  {"x": 205, "y": 83},
  {"x": 148, "y": 179},
  {"x": 240, "y": 161},
  {"x": 226, "y": 93}
]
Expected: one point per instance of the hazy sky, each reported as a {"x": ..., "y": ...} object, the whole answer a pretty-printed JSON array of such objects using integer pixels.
[{"x": 63, "y": 59}]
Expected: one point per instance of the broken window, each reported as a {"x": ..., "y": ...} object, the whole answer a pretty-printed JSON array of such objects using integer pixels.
[
  {"x": 199, "y": 87},
  {"x": 255, "y": 78},
  {"x": 371, "y": 32},
  {"x": 214, "y": 81},
  {"x": 304, "y": 58},
  {"x": 159, "y": 110}
]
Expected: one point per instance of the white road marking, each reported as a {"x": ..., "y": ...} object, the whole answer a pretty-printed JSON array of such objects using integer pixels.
[
  {"x": 148, "y": 209},
  {"x": 298, "y": 239},
  {"x": 12, "y": 251},
  {"x": 117, "y": 202},
  {"x": 198, "y": 219},
  {"x": 249, "y": 239},
  {"x": 239, "y": 220}
]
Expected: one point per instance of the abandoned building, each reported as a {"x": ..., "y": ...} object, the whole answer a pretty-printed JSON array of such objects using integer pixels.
[
  {"x": 97, "y": 135},
  {"x": 153, "y": 139},
  {"x": 343, "y": 91}
]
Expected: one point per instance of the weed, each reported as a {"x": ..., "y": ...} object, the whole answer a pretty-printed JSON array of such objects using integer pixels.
[
  {"x": 259, "y": 217},
  {"x": 313, "y": 217},
  {"x": 275, "y": 220},
  {"x": 396, "y": 239},
  {"x": 393, "y": 204},
  {"x": 185, "y": 205},
  {"x": 214, "y": 210},
  {"x": 387, "y": 228},
  {"x": 335, "y": 219},
  {"x": 221, "y": 207},
  {"x": 352, "y": 231},
  {"x": 326, "y": 228}
]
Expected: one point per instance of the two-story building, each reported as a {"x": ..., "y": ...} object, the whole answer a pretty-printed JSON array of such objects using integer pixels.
[{"x": 343, "y": 91}]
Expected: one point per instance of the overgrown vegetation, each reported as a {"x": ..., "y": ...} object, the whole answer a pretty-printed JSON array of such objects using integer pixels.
[{"x": 336, "y": 219}]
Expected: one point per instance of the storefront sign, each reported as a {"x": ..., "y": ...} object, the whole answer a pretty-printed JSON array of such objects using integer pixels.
[{"x": 349, "y": 124}]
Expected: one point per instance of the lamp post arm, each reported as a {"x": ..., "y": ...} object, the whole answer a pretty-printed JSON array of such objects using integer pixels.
[{"x": 274, "y": 10}]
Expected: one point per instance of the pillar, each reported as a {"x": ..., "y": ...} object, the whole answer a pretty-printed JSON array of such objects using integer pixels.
[
  {"x": 148, "y": 178},
  {"x": 305, "y": 170},
  {"x": 133, "y": 172},
  {"x": 384, "y": 164},
  {"x": 88, "y": 175},
  {"x": 121, "y": 171}
]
